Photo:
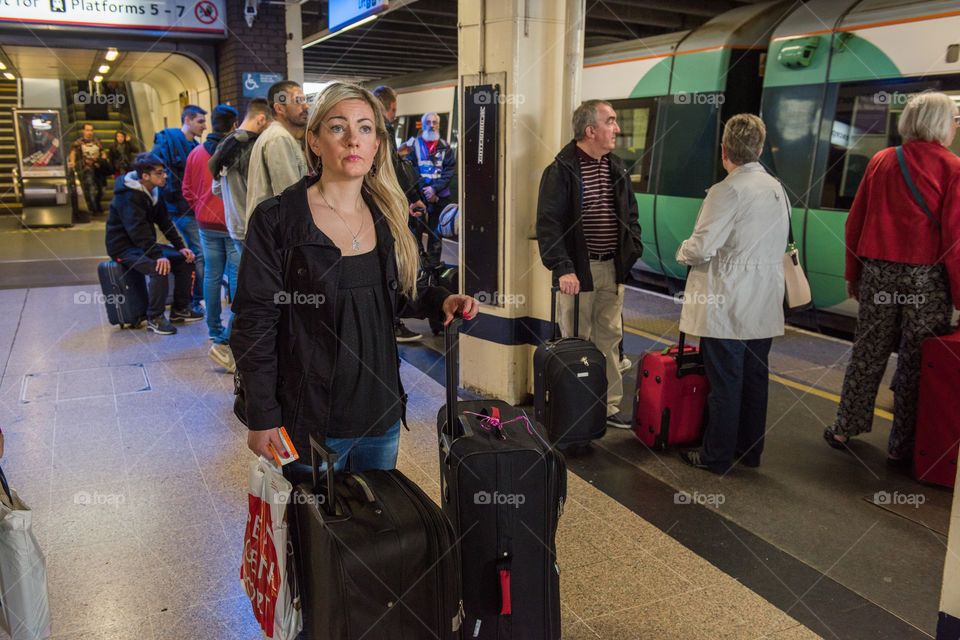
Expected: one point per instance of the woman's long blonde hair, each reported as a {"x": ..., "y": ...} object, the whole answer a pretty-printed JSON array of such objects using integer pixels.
[{"x": 382, "y": 187}]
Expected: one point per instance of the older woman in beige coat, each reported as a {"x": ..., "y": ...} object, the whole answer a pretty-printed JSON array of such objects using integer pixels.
[{"x": 734, "y": 296}]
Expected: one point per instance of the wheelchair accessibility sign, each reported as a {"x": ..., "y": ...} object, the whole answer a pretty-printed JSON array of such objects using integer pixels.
[{"x": 256, "y": 84}]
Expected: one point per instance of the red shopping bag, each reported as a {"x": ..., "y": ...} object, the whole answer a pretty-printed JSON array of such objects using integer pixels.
[{"x": 267, "y": 568}]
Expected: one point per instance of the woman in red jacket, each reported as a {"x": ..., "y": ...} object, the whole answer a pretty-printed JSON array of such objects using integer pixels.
[{"x": 903, "y": 261}]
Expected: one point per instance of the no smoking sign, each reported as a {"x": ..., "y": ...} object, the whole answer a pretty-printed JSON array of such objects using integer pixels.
[{"x": 206, "y": 12}]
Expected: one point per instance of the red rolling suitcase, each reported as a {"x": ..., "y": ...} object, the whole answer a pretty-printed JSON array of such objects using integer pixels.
[
  {"x": 938, "y": 429},
  {"x": 671, "y": 396}
]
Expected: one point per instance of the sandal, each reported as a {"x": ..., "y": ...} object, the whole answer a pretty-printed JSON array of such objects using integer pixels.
[{"x": 833, "y": 441}]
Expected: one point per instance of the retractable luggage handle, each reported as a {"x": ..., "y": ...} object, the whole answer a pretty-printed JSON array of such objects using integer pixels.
[
  {"x": 451, "y": 357},
  {"x": 330, "y": 457},
  {"x": 554, "y": 327}
]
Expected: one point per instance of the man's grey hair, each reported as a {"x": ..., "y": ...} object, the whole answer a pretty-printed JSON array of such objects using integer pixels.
[
  {"x": 423, "y": 118},
  {"x": 586, "y": 116},
  {"x": 928, "y": 116}
]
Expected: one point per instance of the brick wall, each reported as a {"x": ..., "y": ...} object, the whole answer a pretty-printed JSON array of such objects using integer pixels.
[{"x": 258, "y": 48}]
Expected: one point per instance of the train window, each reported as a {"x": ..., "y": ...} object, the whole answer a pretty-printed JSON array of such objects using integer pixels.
[
  {"x": 637, "y": 120},
  {"x": 691, "y": 150},
  {"x": 791, "y": 114},
  {"x": 865, "y": 122}
]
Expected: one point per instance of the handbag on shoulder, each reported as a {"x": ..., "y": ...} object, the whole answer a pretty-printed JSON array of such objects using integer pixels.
[{"x": 796, "y": 289}]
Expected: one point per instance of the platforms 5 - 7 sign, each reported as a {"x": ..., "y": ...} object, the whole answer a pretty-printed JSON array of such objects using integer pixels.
[{"x": 181, "y": 16}]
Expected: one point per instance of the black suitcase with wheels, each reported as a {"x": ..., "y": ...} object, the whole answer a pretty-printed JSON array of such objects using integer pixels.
[
  {"x": 124, "y": 292},
  {"x": 570, "y": 385},
  {"x": 503, "y": 488},
  {"x": 376, "y": 557}
]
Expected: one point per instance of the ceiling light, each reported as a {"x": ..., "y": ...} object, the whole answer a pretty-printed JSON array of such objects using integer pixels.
[
  {"x": 98, "y": 78},
  {"x": 112, "y": 55},
  {"x": 104, "y": 68},
  {"x": 2, "y": 66},
  {"x": 9, "y": 76},
  {"x": 339, "y": 31}
]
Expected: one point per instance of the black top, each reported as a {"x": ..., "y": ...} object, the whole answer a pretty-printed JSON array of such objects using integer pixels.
[{"x": 366, "y": 399}]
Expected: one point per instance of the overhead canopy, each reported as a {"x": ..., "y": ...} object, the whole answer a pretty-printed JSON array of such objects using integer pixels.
[{"x": 421, "y": 35}]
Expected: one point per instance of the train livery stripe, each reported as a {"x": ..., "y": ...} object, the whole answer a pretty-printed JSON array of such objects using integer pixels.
[
  {"x": 672, "y": 53},
  {"x": 773, "y": 377},
  {"x": 872, "y": 25}
]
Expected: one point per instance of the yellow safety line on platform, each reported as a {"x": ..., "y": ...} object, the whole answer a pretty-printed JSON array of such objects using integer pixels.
[{"x": 784, "y": 381}]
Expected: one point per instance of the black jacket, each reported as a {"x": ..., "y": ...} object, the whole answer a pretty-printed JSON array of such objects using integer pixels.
[
  {"x": 133, "y": 215},
  {"x": 407, "y": 175},
  {"x": 286, "y": 353},
  {"x": 563, "y": 247}
]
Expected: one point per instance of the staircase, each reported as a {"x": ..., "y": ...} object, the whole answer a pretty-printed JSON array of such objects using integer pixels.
[{"x": 8, "y": 147}]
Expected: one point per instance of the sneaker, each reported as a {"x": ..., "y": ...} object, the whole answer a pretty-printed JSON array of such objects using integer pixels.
[
  {"x": 160, "y": 324},
  {"x": 185, "y": 315},
  {"x": 617, "y": 422},
  {"x": 625, "y": 364},
  {"x": 405, "y": 335},
  {"x": 221, "y": 354}
]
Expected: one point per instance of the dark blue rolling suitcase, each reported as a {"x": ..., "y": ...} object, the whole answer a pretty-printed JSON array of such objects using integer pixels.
[
  {"x": 124, "y": 292},
  {"x": 570, "y": 385},
  {"x": 503, "y": 487}
]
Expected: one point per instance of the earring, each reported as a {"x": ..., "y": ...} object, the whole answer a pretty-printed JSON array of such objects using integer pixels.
[{"x": 373, "y": 171}]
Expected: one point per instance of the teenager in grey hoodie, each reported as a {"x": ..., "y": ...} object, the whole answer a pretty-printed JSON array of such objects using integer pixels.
[{"x": 136, "y": 212}]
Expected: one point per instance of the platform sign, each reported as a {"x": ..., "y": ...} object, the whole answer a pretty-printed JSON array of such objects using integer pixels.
[
  {"x": 343, "y": 13},
  {"x": 480, "y": 222},
  {"x": 256, "y": 84},
  {"x": 181, "y": 17}
]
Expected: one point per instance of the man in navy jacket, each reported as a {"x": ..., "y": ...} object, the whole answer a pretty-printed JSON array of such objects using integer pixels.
[{"x": 135, "y": 213}]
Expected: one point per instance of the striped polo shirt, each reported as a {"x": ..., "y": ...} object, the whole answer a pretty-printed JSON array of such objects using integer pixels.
[{"x": 599, "y": 211}]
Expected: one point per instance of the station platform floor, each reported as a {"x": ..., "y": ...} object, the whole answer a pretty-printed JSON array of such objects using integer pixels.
[{"x": 143, "y": 425}]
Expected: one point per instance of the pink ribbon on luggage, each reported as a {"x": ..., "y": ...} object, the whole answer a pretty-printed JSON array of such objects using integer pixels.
[{"x": 490, "y": 422}]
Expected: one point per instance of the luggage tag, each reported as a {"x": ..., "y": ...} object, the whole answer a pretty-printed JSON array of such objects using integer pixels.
[{"x": 286, "y": 446}]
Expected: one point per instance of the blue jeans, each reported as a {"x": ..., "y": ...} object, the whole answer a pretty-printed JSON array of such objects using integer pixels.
[
  {"x": 220, "y": 254},
  {"x": 737, "y": 371},
  {"x": 239, "y": 245},
  {"x": 353, "y": 455},
  {"x": 187, "y": 226}
]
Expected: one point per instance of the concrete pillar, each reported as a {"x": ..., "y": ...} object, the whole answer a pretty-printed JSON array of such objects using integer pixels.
[
  {"x": 532, "y": 49},
  {"x": 294, "y": 43}
]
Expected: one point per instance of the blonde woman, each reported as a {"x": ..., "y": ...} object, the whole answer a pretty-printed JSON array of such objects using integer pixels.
[
  {"x": 326, "y": 267},
  {"x": 903, "y": 267}
]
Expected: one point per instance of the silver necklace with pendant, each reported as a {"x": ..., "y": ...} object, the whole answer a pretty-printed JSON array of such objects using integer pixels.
[{"x": 363, "y": 220}]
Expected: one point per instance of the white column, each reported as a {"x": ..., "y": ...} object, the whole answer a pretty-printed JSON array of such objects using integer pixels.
[
  {"x": 294, "y": 42},
  {"x": 531, "y": 49}
]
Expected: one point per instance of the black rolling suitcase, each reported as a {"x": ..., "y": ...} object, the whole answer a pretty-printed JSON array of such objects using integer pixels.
[
  {"x": 124, "y": 292},
  {"x": 570, "y": 385},
  {"x": 503, "y": 488},
  {"x": 376, "y": 558}
]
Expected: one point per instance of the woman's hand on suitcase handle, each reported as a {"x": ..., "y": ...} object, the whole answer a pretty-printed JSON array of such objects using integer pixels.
[
  {"x": 259, "y": 442},
  {"x": 466, "y": 306}
]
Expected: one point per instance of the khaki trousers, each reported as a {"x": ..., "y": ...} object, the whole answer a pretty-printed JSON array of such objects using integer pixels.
[{"x": 600, "y": 322}]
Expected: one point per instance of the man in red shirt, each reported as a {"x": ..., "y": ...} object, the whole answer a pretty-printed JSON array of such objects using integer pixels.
[
  {"x": 220, "y": 252},
  {"x": 85, "y": 158}
]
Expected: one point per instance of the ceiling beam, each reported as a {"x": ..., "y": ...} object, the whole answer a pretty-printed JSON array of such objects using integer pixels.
[{"x": 705, "y": 8}]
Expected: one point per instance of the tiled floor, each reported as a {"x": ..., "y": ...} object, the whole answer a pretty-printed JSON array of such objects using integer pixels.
[{"x": 125, "y": 446}]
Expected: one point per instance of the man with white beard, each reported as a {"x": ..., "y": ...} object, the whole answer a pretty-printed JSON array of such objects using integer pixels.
[{"x": 436, "y": 163}]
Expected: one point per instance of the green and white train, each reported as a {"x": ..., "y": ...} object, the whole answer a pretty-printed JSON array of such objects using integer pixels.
[{"x": 830, "y": 79}]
